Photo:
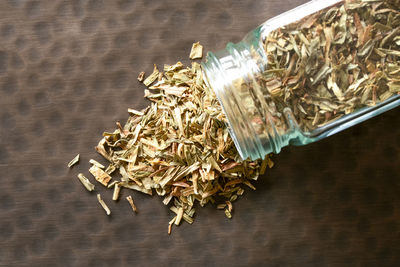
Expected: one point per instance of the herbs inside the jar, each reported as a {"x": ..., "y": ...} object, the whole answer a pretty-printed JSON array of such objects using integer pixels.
[
  {"x": 178, "y": 147},
  {"x": 333, "y": 62}
]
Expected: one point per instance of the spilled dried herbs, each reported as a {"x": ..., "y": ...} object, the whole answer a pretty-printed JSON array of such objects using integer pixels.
[{"x": 178, "y": 147}]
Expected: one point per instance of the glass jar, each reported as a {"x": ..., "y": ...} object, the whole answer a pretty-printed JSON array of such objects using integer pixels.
[{"x": 308, "y": 73}]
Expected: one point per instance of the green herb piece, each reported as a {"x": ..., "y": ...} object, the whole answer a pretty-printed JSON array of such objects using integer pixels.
[
  {"x": 197, "y": 51},
  {"x": 85, "y": 181},
  {"x": 141, "y": 76},
  {"x": 170, "y": 224},
  {"x": 100, "y": 175},
  {"x": 135, "y": 112},
  {"x": 149, "y": 80},
  {"x": 103, "y": 204},
  {"x": 112, "y": 184},
  {"x": 117, "y": 189},
  {"x": 133, "y": 206},
  {"x": 179, "y": 216},
  {"x": 228, "y": 214},
  {"x": 93, "y": 162},
  {"x": 73, "y": 161}
]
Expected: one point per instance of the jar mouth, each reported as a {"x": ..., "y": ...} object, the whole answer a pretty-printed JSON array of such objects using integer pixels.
[
  {"x": 212, "y": 72},
  {"x": 225, "y": 72}
]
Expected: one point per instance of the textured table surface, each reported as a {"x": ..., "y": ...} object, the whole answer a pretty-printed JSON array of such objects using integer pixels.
[{"x": 68, "y": 71}]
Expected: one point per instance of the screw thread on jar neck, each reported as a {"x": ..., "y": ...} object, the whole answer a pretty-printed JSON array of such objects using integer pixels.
[{"x": 231, "y": 74}]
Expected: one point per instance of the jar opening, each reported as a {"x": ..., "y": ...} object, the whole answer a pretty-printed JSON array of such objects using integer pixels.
[{"x": 230, "y": 74}]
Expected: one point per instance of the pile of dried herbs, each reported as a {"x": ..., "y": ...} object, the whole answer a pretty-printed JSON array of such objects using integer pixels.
[
  {"x": 179, "y": 147},
  {"x": 333, "y": 62}
]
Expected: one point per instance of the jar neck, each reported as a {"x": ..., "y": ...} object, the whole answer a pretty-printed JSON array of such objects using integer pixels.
[{"x": 234, "y": 75}]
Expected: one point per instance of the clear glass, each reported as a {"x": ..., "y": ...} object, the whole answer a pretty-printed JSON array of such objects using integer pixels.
[{"x": 239, "y": 65}]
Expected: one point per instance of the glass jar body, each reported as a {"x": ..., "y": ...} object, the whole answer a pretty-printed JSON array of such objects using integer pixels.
[{"x": 305, "y": 75}]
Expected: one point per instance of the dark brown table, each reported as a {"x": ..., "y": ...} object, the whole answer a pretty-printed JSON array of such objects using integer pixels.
[{"x": 68, "y": 71}]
